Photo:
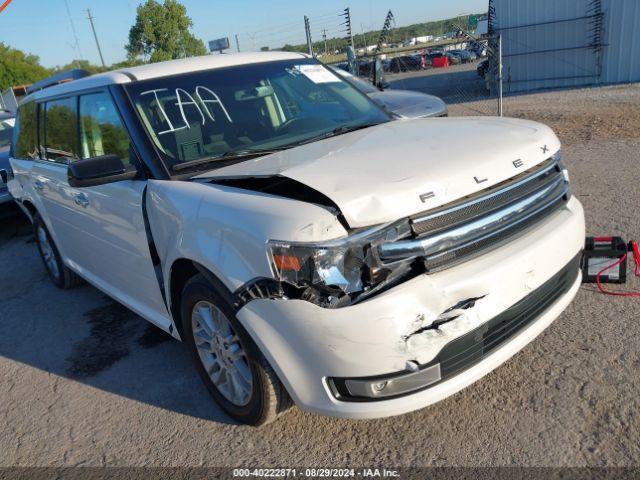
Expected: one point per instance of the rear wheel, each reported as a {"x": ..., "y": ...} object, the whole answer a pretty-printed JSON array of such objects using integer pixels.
[
  {"x": 232, "y": 367},
  {"x": 59, "y": 273}
]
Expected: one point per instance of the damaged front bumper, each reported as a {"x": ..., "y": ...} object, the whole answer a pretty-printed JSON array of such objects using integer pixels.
[{"x": 419, "y": 324}]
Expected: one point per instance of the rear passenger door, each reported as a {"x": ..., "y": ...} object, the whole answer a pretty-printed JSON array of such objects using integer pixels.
[{"x": 101, "y": 229}]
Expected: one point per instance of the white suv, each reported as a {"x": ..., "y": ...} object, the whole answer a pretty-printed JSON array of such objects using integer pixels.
[{"x": 300, "y": 242}]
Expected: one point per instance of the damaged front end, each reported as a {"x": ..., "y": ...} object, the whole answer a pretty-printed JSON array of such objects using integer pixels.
[
  {"x": 341, "y": 272},
  {"x": 348, "y": 270}
]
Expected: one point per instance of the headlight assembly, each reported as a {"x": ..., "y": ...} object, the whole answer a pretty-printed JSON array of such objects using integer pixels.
[{"x": 335, "y": 273}]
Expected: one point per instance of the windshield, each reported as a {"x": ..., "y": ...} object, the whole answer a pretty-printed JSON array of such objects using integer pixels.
[
  {"x": 363, "y": 86},
  {"x": 265, "y": 106},
  {"x": 6, "y": 132}
]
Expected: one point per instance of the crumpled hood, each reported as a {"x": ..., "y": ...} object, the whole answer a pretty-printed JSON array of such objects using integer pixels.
[
  {"x": 410, "y": 104},
  {"x": 390, "y": 171}
]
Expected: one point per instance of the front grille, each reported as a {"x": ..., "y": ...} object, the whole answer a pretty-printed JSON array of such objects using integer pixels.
[
  {"x": 486, "y": 201},
  {"x": 464, "y": 352},
  {"x": 474, "y": 225}
]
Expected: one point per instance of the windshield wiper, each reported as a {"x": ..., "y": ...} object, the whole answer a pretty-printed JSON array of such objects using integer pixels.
[
  {"x": 342, "y": 129},
  {"x": 230, "y": 155}
]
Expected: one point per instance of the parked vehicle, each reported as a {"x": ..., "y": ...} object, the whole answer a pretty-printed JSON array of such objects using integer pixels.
[
  {"x": 365, "y": 67},
  {"x": 6, "y": 132},
  {"x": 405, "y": 63},
  {"x": 270, "y": 215},
  {"x": 482, "y": 68},
  {"x": 465, "y": 56},
  {"x": 403, "y": 103},
  {"x": 454, "y": 59}
]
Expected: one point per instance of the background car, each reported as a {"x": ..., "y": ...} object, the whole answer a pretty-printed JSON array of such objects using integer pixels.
[
  {"x": 403, "y": 103},
  {"x": 453, "y": 58},
  {"x": 405, "y": 63},
  {"x": 464, "y": 55},
  {"x": 7, "y": 121},
  {"x": 482, "y": 68},
  {"x": 365, "y": 67}
]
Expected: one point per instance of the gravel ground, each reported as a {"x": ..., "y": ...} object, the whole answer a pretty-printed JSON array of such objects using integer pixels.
[{"x": 86, "y": 382}]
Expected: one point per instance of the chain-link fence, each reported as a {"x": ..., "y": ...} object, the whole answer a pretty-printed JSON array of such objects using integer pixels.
[{"x": 464, "y": 72}]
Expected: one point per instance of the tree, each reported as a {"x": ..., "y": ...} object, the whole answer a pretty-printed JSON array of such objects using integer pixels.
[
  {"x": 161, "y": 32},
  {"x": 19, "y": 68},
  {"x": 84, "y": 65}
]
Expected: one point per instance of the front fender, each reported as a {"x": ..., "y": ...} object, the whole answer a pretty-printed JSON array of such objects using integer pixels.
[{"x": 225, "y": 229}]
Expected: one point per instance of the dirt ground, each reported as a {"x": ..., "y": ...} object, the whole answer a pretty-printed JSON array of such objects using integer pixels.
[{"x": 84, "y": 381}]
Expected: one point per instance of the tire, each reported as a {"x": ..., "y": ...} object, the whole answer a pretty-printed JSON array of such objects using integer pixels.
[
  {"x": 222, "y": 352},
  {"x": 61, "y": 276}
]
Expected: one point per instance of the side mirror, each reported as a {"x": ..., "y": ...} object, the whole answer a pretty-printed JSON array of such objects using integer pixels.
[{"x": 89, "y": 172}]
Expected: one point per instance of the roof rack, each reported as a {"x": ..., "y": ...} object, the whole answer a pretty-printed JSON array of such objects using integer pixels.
[{"x": 58, "y": 78}]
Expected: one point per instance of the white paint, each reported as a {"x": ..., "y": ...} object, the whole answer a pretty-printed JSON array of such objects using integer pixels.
[
  {"x": 374, "y": 175},
  {"x": 164, "y": 114},
  {"x": 305, "y": 343},
  {"x": 185, "y": 99},
  {"x": 180, "y": 103},
  {"x": 162, "y": 69},
  {"x": 214, "y": 100},
  {"x": 377, "y": 175}
]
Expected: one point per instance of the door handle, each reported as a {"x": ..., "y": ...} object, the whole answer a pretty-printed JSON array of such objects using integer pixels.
[
  {"x": 81, "y": 199},
  {"x": 37, "y": 184}
]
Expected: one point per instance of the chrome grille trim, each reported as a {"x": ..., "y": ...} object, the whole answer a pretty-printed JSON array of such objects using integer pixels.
[
  {"x": 498, "y": 196},
  {"x": 445, "y": 246}
]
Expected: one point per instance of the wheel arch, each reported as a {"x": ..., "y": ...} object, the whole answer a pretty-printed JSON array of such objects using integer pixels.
[
  {"x": 182, "y": 270},
  {"x": 29, "y": 208}
]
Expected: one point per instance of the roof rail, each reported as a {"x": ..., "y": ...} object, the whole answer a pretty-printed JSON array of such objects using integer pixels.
[{"x": 58, "y": 78}]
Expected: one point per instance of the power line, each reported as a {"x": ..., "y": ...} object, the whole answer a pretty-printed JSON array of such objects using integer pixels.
[{"x": 73, "y": 31}]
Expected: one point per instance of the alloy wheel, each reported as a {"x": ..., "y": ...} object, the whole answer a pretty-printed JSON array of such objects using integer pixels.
[{"x": 221, "y": 353}]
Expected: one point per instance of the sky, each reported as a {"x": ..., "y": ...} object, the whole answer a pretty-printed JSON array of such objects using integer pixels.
[{"x": 46, "y": 28}]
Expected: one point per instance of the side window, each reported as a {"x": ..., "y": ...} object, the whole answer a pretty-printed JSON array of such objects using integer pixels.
[
  {"x": 101, "y": 129},
  {"x": 26, "y": 132},
  {"x": 61, "y": 134}
]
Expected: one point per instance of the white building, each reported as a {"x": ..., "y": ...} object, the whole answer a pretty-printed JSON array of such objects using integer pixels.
[
  {"x": 423, "y": 39},
  {"x": 567, "y": 43}
]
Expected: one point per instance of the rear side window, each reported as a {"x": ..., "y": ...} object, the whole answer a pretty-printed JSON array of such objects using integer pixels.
[
  {"x": 101, "y": 129},
  {"x": 26, "y": 132},
  {"x": 61, "y": 134}
]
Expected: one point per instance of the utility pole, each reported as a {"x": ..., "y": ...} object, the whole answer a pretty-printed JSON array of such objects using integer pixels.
[
  {"x": 307, "y": 28},
  {"x": 96, "y": 37},
  {"x": 385, "y": 30},
  {"x": 237, "y": 43},
  {"x": 347, "y": 23},
  {"x": 324, "y": 37}
]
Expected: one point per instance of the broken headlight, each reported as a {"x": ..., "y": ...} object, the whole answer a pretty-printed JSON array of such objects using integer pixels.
[{"x": 335, "y": 273}]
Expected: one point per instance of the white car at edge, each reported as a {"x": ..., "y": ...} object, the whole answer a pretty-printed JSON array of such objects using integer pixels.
[{"x": 302, "y": 244}]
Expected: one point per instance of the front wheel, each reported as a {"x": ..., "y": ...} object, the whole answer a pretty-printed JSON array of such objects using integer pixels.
[{"x": 232, "y": 367}]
